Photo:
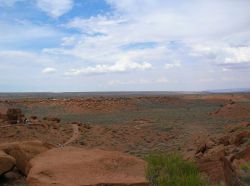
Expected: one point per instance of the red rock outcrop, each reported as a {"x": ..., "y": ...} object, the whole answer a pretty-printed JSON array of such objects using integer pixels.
[
  {"x": 230, "y": 175},
  {"x": 222, "y": 161},
  {"x": 72, "y": 166},
  {"x": 6, "y": 162},
  {"x": 244, "y": 154},
  {"x": 15, "y": 116},
  {"x": 22, "y": 152}
]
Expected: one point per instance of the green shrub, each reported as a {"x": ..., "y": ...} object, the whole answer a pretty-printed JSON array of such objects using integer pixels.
[
  {"x": 172, "y": 170},
  {"x": 245, "y": 166}
]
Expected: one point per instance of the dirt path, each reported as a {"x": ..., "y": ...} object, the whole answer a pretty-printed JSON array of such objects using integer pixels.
[{"x": 74, "y": 136}]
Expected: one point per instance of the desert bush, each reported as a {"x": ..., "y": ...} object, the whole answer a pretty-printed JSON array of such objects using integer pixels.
[
  {"x": 245, "y": 166},
  {"x": 245, "y": 176},
  {"x": 164, "y": 170}
]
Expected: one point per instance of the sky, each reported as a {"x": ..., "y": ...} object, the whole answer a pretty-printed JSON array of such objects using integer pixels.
[{"x": 124, "y": 45}]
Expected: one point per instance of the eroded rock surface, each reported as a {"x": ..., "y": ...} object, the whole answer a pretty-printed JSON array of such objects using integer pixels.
[
  {"x": 72, "y": 166},
  {"x": 22, "y": 152},
  {"x": 228, "y": 158},
  {"x": 6, "y": 162}
]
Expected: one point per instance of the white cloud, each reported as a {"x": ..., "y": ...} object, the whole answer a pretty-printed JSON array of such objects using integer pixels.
[
  {"x": 29, "y": 60},
  {"x": 161, "y": 20},
  {"x": 172, "y": 65},
  {"x": 24, "y": 58},
  {"x": 117, "y": 67},
  {"x": 69, "y": 41},
  {"x": 49, "y": 70},
  {"x": 237, "y": 55},
  {"x": 16, "y": 56},
  {"x": 104, "y": 36},
  {"x": 223, "y": 54},
  {"x": 137, "y": 36},
  {"x": 19, "y": 68},
  {"x": 55, "y": 8},
  {"x": 98, "y": 24}
]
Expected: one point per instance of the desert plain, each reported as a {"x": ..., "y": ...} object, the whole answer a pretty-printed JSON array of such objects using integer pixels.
[{"x": 212, "y": 130}]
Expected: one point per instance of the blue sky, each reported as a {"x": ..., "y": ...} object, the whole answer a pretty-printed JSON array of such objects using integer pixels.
[{"x": 124, "y": 45}]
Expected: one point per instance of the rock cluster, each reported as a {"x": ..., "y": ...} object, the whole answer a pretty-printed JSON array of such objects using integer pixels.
[
  {"x": 70, "y": 165},
  {"x": 7, "y": 162},
  {"x": 222, "y": 156},
  {"x": 15, "y": 116},
  {"x": 18, "y": 154}
]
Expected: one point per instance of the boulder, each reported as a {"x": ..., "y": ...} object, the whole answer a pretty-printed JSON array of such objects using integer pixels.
[
  {"x": 204, "y": 144},
  {"x": 210, "y": 143},
  {"x": 213, "y": 168},
  {"x": 52, "y": 119},
  {"x": 241, "y": 138},
  {"x": 211, "y": 164},
  {"x": 216, "y": 153},
  {"x": 76, "y": 166},
  {"x": 231, "y": 178},
  {"x": 201, "y": 148},
  {"x": 7, "y": 163},
  {"x": 244, "y": 154},
  {"x": 225, "y": 140},
  {"x": 15, "y": 115},
  {"x": 23, "y": 152}
]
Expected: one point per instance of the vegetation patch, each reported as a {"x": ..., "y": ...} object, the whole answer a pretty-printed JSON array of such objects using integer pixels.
[
  {"x": 245, "y": 167},
  {"x": 245, "y": 178},
  {"x": 172, "y": 170}
]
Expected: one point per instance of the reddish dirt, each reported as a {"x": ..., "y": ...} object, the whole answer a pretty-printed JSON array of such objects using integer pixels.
[
  {"x": 219, "y": 97},
  {"x": 48, "y": 133},
  {"x": 234, "y": 111},
  {"x": 85, "y": 105},
  {"x": 130, "y": 139}
]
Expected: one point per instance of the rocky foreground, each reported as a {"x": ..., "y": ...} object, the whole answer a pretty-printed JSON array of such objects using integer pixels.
[
  {"x": 77, "y": 166},
  {"x": 43, "y": 165},
  {"x": 224, "y": 157}
]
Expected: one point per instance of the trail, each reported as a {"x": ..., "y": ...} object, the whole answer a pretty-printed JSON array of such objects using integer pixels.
[{"x": 74, "y": 136}]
